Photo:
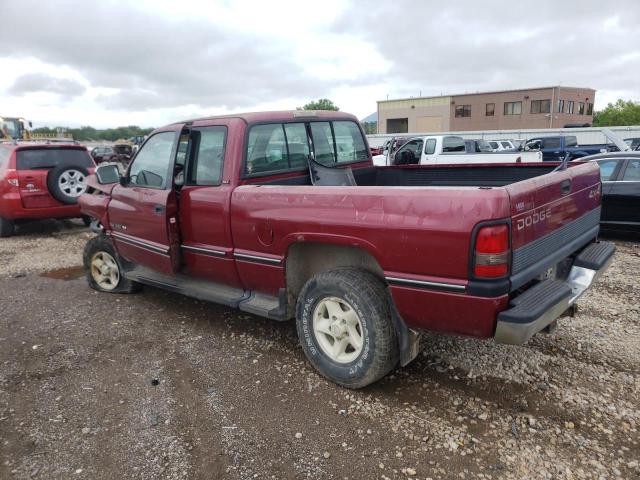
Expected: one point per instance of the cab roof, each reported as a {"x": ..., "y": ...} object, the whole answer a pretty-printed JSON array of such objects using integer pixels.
[{"x": 282, "y": 115}]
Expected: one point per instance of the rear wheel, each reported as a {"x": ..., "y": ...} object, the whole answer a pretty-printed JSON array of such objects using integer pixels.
[
  {"x": 7, "y": 227},
  {"x": 345, "y": 327},
  {"x": 103, "y": 269}
]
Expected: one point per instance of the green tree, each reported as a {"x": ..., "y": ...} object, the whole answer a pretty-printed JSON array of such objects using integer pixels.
[
  {"x": 322, "y": 104},
  {"x": 620, "y": 113}
]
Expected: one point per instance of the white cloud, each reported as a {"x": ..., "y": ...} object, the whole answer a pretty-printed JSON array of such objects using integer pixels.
[{"x": 151, "y": 62}]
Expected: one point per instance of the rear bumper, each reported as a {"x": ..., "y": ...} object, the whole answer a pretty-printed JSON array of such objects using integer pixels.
[
  {"x": 11, "y": 208},
  {"x": 539, "y": 306}
]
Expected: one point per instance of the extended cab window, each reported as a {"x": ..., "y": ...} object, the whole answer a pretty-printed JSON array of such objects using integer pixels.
[
  {"x": 150, "y": 168},
  {"x": 453, "y": 144},
  {"x": 349, "y": 143},
  {"x": 207, "y": 156}
]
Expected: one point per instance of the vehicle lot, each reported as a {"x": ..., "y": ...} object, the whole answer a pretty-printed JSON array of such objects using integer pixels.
[{"x": 78, "y": 393}]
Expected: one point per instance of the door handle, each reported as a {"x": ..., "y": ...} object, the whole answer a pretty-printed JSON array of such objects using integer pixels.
[
  {"x": 158, "y": 209},
  {"x": 565, "y": 187}
]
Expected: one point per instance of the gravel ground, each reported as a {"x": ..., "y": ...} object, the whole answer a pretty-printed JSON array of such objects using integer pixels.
[{"x": 156, "y": 385}]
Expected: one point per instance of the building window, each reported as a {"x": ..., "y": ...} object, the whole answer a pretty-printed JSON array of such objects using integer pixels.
[
  {"x": 491, "y": 109},
  {"x": 512, "y": 108},
  {"x": 560, "y": 106},
  {"x": 589, "y": 108},
  {"x": 580, "y": 108},
  {"x": 463, "y": 111},
  {"x": 540, "y": 106},
  {"x": 570, "y": 107}
]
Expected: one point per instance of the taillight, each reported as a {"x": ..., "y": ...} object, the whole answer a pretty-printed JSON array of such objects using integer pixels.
[
  {"x": 12, "y": 177},
  {"x": 492, "y": 252}
]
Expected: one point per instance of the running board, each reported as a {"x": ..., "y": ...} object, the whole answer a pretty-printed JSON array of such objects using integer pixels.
[{"x": 260, "y": 304}]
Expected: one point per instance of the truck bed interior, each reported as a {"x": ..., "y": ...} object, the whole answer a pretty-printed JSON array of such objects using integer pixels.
[{"x": 449, "y": 176}]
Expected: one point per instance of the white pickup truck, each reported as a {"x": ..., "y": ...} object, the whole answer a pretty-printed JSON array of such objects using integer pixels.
[{"x": 446, "y": 149}]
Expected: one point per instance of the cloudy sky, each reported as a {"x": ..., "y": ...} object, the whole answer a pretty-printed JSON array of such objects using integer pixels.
[{"x": 151, "y": 62}]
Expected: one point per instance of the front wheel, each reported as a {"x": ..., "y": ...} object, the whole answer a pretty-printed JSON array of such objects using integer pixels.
[
  {"x": 103, "y": 270},
  {"x": 345, "y": 327}
]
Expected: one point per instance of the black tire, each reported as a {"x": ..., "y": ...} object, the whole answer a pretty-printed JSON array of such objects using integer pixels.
[
  {"x": 86, "y": 220},
  {"x": 54, "y": 187},
  {"x": 7, "y": 227},
  {"x": 102, "y": 244},
  {"x": 367, "y": 295}
]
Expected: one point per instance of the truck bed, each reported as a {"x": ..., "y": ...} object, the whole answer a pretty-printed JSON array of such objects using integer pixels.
[{"x": 445, "y": 176}]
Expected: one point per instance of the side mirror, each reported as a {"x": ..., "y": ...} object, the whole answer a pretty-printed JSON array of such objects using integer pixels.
[{"x": 107, "y": 174}]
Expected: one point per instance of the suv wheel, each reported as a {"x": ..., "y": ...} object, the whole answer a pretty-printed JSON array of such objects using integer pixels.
[
  {"x": 7, "y": 227},
  {"x": 345, "y": 328},
  {"x": 66, "y": 183},
  {"x": 103, "y": 269}
]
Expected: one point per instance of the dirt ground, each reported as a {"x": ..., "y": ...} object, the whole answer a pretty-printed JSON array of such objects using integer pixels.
[{"x": 156, "y": 385}]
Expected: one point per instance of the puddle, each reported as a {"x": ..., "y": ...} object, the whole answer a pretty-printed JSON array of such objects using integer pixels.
[{"x": 68, "y": 273}]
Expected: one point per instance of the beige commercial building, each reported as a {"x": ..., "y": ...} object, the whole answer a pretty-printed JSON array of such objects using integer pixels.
[{"x": 548, "y": 107}]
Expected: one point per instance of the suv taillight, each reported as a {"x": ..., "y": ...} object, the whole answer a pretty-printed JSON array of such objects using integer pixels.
[
  {"x": 492, "y": 252},
  {"x": 12, "y": 177}
]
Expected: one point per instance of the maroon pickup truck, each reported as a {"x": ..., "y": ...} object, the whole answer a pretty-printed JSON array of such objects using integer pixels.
[{"x": 282, "y": 214}]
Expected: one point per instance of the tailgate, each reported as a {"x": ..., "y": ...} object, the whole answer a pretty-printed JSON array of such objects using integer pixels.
[{"x": 552, "y": 216}]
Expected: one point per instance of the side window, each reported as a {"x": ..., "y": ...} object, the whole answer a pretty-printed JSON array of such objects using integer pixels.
[
  {"x": 266, "y": 150},
  {"x": 181, "y": 154},
  {"x": 632, "y": 172},
  {"x": 150, "y": 168},
  {"x": 323, "y": 143},
  {"x": 453, "y": 144},
  {"x": 415, "y": 146},
  {"x": 553, "y": 142},
  {"x": 430, "y": 147},
  {"x": 206, "y": 156},
  {"x": 298, "y": 144},
  {"x": 349, "y": 142},
  {"x": 607, "y": 167},
  {"x": 570, "y": 141}
]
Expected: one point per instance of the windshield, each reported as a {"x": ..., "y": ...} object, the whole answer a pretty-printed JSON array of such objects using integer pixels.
[{"x": 10, "y": 128}]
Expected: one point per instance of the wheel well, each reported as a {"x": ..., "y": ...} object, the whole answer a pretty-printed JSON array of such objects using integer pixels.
[{"x": 304, "y": 260}]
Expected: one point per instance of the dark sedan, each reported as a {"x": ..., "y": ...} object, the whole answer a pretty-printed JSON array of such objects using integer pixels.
[{"x": 620, "y": 173}]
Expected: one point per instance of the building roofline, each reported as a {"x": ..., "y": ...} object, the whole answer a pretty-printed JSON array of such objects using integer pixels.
[{"x": 489, "y": 92}]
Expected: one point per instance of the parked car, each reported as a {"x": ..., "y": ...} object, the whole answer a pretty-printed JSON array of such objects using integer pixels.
[
  {"x": 448, "y": 149},
  {"x": 620, "y": 173},
  {"x": 501, "y": 145},
  {"x": 274, "y": 213},
  {"x": 559, "y": 147},
  {"x": 39, "y": 181},
  {"x": 112, "y": 153}
]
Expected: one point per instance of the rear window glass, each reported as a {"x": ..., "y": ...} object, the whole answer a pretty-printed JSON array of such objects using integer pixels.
[
  {"x": 570, "y": 141},
  {"x": 33, "y": 159}
]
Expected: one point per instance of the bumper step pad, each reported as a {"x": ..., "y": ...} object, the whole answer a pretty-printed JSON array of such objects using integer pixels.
[{"x": 595, "y": 255}]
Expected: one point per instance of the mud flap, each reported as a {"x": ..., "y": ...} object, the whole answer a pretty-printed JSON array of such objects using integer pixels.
[{"x": 408, "y": 339}]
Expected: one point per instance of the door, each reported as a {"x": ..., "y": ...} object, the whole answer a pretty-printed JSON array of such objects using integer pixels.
[
  {"x": 204, "y": 203},
  {"x": 143, "y": 213},
  {"x": 429, "y": 156},
  {"x": 624, "y": 197},
  {"x": 414, "y": 149}
]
